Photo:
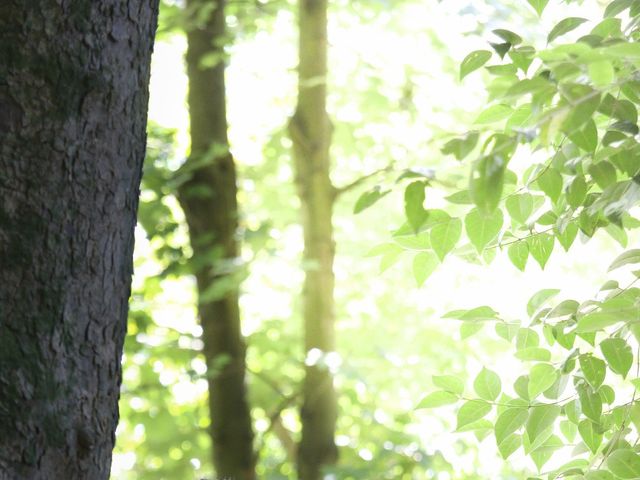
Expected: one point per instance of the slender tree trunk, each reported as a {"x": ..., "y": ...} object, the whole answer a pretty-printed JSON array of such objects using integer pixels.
[
  {"x": 73, "y": 102},
  {"x": 209, "y": 202},
  {"x": 311, "y": 134}
]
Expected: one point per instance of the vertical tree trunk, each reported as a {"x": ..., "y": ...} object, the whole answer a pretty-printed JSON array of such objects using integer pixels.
[
  {"x": 311, "y": 134},
  {"x": 209, "y": 202},
  {"x": 73, "y": 101}
]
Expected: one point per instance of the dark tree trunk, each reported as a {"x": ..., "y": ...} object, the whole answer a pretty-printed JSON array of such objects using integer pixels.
[
  {"x": 73, "y": 102},
  {"x": 311, "y": 134},
  {"x": 209, "y": 202}
]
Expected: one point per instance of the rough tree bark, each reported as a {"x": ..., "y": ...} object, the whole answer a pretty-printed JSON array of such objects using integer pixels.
[
  {"x": 73, "y": 102},
  {"x": 310, "y": 131},
  {"x": 209, "y": 202}
]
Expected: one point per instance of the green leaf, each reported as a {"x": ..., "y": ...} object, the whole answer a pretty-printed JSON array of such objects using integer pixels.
[
  {"x": 487, "y": 385},
  {"x": 540, "y": 247},
  {"x": 590, "y": 435},
  {"x": 493, "y": 114},
  {"x": 471, "y": 411},
  {"x": 424, "y": 264},
  {"x": 368, "y": 198},
  {"x": 630, "y": 256},
  {"x": 577, "y": 191},
  {"x": 509, "y": 421},
  {"x": 481, "y": 228},
  {"x": 593, "y": 369},
  {"x": 508, "y": 36},
  {"x": 415, "y": 212},
  {"x": 449, "y": 383},
  {"x": 624, "y": 463},
  {"x": 509, "y": 445},
  {"x": 540, "y": 298},
  {"x": 603, "y": 173},
  {"x": 506, "y": 330},
  {"x": 520, "y": 207},
  {"x": 618, "y": 355},
  {"x": 444, "y": 236},
  {"x": 550, "y": 182},
  {"x": 599, "y": 475},
  {"x": 437, "y": 399},
  {"x": 616, "y": 7},
  {"x": 518, "y": 254},
  {"x": 565, "y": 26},
  {"x": 527, "y": 338},
  {"x": 538, "y": 5},
  {"x": 541, "y": 377},
  {"x": 593, "y": 322},
  {"x": 486, "y": 182},
  {"x": 533, "y": 354},
  {"x": 567, "y": 237},
  {"x": 478, "y": 314},
  {"x": 474, "y": 61},
  {"x": 587, "y": 137},
  {"x": 461, "y": 147},
  {"x": 591, "y": 403},
  {"x": 601, "y": 73},
  {"x": 541, "y": 417}
]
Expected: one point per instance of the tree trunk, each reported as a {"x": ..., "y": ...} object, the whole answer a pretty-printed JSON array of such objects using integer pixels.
[
  {"x": 208, "y": 199},
  {"x": 73, "y": 101},
  {"x": 311, "y": 134}
]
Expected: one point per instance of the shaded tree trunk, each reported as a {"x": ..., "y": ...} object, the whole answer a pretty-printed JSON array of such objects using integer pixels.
[
  {"x": 208, "y": 199},
  {"x": 310, "y": 130},
  {"x": 73, "y": 102}
]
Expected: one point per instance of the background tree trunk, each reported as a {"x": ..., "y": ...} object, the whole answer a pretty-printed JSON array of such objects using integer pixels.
[
  {"x": 73, "y": 101},
  {"x": 311, "y": 134},
  {"x": 209, "y": 202}
]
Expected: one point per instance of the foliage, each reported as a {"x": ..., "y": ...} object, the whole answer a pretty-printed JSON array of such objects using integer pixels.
[{"x": 568, "y": 112}]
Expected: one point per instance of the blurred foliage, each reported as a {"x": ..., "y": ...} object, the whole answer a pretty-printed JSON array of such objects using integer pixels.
[{"x": 394, "y": 99}]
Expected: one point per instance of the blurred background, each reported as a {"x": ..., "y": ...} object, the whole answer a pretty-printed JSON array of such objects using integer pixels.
[{"x": 394, "y": 99}]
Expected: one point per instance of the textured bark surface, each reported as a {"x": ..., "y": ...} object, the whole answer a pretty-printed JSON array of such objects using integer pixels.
[
  {"x": 209, "y": 202},
  {"x": 73, "y": 101},
  {"x": 311, "y": 134}
]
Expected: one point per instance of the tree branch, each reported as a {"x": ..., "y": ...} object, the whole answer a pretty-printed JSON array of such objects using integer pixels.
[{"x": 358, "y": 181}]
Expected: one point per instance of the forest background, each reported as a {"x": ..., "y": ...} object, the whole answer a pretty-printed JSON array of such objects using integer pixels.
[{"x": 395, "y": 98}]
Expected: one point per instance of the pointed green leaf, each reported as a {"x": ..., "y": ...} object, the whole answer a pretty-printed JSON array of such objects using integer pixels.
[
  {"x": 591, "y": 403},
  {"x": 444, "y": 236},
  {"x": 509, "y": 421},
  {"x": 471, "y": 411},
  {"x": 538, "y": 5},
  {"x": 628, "y": 257},
  {"x": 540, "y": 298},
  {"x": 509, "y": 445},
  {"x": 540, "y": 247},
  {"x": 541, "y": 377},
  {"x": 590, "y": 435},
  {"x": 474, "y": 61},
  {"x": 593, "y": 369},
  {"x": 518, "y": 254},
  {"x": 520, "y": 207},
  {"x": 493, "y": 114},
  {"x": 449, "y": 383},
  {"x": 481, "y": 228},
  {"x": 437, "y": 399},
  {"x": 424, "y": 264},
  {"x": 577, "y": 191},
  {"x": 415, "y": 212},
  {"x": 487, "y": 385},
  {"x": 550, "y": 182},
  {"x": 618, "y": 355},
  {"x": 368, "y": 198},
  {"x": 565, "y": 26},
  {"x": 541, "y": 417},
  {"x": 624, "y": 463}
]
